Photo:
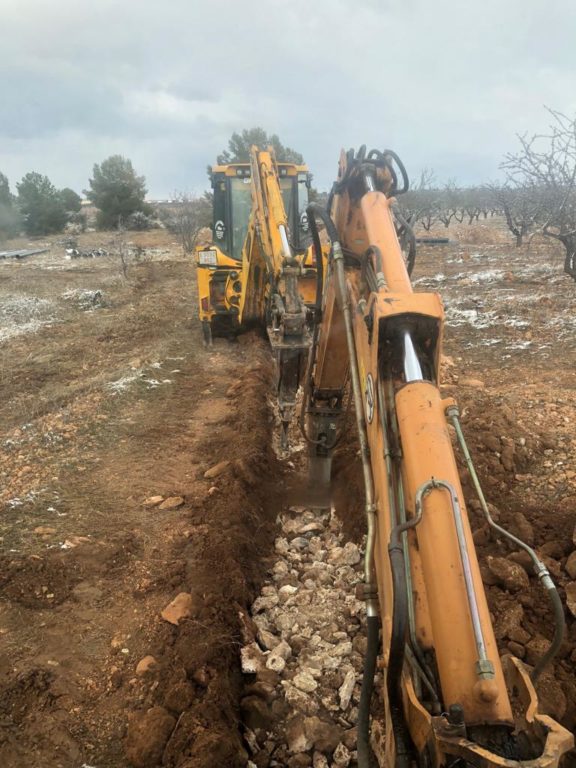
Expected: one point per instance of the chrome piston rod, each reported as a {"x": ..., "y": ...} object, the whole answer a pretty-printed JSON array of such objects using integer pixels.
[
  {"x": 412, "y": 367},
  {"x": 285, "y": 244},
  {"x": 484, "y": 667}
]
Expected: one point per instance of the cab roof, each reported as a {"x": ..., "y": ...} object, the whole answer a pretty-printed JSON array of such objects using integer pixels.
[{"x": 292, "y": 169}]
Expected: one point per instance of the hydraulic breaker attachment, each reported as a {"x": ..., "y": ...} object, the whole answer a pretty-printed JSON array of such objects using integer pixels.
[{"x": 289, "y": 338}]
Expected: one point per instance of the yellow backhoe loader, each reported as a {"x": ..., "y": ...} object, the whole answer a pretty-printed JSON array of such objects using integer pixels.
[
  {"x": 260, "y": 268},
  {"x": 449, "y": 698}
]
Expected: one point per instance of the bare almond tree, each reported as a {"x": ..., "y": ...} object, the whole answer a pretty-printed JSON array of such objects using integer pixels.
[
  {"x": 547, "y": 163},
  {"x": 449, "y": 203},
  {"x": 521, "y": 206},
  {"x": 188, "y": 216},
  {"x": 420, "y": 203}
]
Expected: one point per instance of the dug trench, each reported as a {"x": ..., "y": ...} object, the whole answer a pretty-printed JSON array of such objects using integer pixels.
[{"x": 303, "y": 652}]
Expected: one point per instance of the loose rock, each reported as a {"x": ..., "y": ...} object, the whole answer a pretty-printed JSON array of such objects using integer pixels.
[
  {"x": 145, "y": 665},
  {"x": 511, "y": 575},
  {"x": 172, "y": 502},
  {"x": 305, "y": 682},
  {"x": 522, "y": 528},
  {"x": 570, "y": 566},
  {"x": 341, "y": 756},
  {"x": 345, "y": 690},
  {"x": 252, "y": 658},
  {"x": 181, "y": 607},
  {"x": 296, "y": 737},
  {"x": 323, "y": 735},
  {"x": 44, "y": 530},
  {"x": 571, "y": 597},
  {"x": 277, "y": 658},
  {"x": 152, "y": 501},
  {"x": 216, "y": 470}
]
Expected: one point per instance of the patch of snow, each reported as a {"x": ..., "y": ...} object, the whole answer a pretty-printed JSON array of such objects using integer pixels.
[
  {"x": 24, "y": 314},
  {"x": 486, "y": 276},
  {"x": 474, "y": 317},
  {"x": 519, "y": 345},
  {"x": 123, "y": 384},
  {"x": 438, "y": 278},
  {"x": 515, "y": 322},
  {"x": 86, "y": 298}
]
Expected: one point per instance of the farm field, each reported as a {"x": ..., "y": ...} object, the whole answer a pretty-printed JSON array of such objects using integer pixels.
[{"x": 137, "y": 466}]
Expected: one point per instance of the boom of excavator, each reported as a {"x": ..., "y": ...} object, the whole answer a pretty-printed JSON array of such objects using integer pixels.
[{"x": 450, "y": 699}]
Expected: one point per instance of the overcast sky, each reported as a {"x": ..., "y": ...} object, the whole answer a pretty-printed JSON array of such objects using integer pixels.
[{"x": 445, "y": 83}]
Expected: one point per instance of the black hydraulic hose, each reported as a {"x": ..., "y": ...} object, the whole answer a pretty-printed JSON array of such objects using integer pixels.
[
  {"x": 331, "y": 197},
  {"x": 366, "y": 758},
  {"x": 316, "y": 210},
  {"x": 373, "y": 250},
  {"x": 397, "y": 649},
  {"x": 405, "y": 226},
  {"x": 311, "y": 211},
  {"x": 559, "y": 626},
  {"x": 382, "y": 156}
]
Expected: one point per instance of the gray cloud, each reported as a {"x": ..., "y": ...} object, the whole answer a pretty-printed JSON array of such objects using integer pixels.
[{"x": 446, "y": 84}]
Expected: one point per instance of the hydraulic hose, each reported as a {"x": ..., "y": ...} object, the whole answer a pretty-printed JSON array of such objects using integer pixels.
[
  {"x": 370, "y": 508},
  {"x": 398, "y": 646},
  {"x": 373, "y": 250},
  {"x": 375, "y": 155},
  {"x": 405, "y": 226},
  {"x": 559, "y": 622},
  {"x": 366, "y": 758},
  {"x": 322, "y": 213}
]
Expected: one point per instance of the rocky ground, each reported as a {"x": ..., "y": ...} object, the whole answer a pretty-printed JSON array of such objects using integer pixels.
[
  {"x": 161, "y": 603},
  {"x": 304, "y": 657}
]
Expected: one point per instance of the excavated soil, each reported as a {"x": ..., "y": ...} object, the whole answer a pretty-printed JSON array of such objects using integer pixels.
[{"x": 108, "y": 399}]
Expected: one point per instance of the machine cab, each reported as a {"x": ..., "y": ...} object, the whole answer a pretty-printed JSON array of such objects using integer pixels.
[{"x": 232, "y": 205}]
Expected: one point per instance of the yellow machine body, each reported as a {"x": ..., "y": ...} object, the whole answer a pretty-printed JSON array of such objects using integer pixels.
[{"x": 251, "y": 201}]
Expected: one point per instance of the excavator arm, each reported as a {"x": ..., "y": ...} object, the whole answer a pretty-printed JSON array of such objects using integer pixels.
[
  {"x": 449, "y": 698},
  {"x": 268, "y": 252}
]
